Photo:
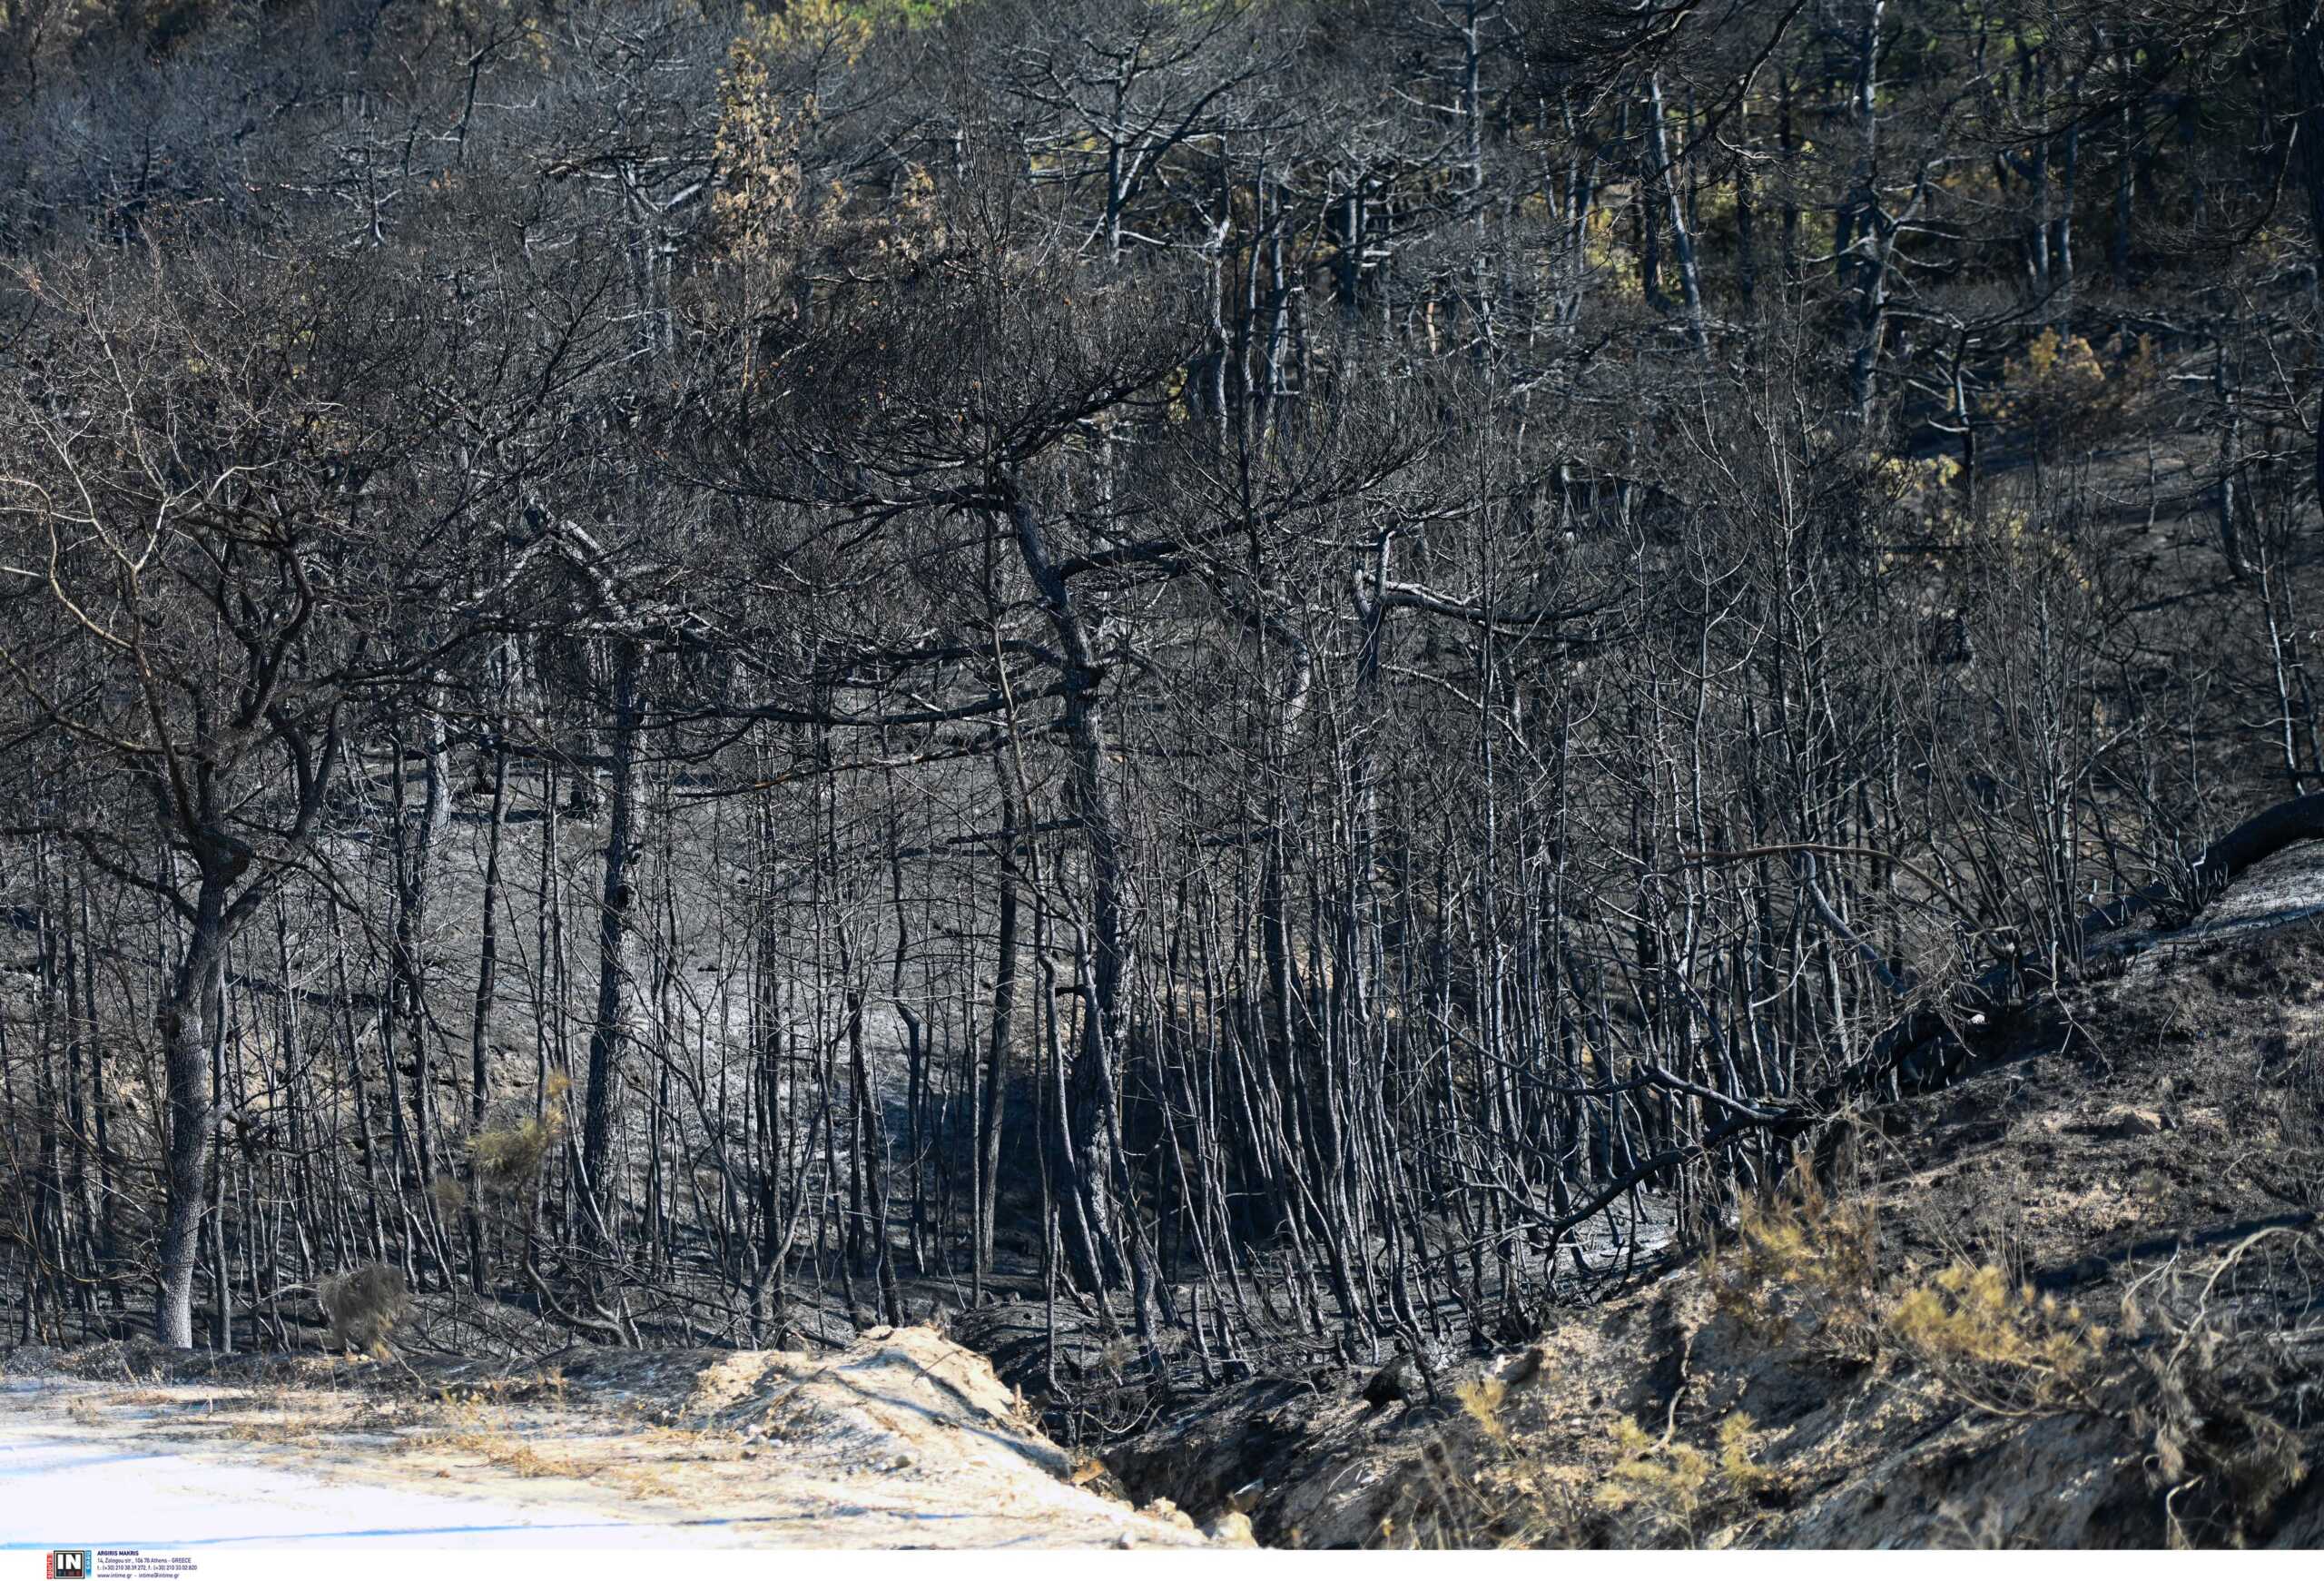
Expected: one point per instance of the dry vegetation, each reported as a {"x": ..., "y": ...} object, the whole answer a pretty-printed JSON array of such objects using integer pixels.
[
  {"x": 2072, "y": 1299},
  {"x": 1228, "y": 692}
]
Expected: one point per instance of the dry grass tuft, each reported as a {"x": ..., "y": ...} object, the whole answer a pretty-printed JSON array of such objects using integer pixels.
[
  {"x": 511, "y": 1156},
  {"x": 1800, "y": 1273},
  {"x": 510, "y": 1453},
  {"x": 364, "y": 1304},
  {"x": 1670, "y": 1491},
  {"x": 1635, "y": 1489},
  {"x": 2000, "y": 1347}
]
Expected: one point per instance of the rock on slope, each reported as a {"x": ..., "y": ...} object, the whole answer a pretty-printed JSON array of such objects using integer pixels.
[{"x": 2074, "y": 1299}]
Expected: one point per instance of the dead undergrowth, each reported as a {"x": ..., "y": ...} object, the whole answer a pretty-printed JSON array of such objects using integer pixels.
[{"x": 2075, "y": 1298}]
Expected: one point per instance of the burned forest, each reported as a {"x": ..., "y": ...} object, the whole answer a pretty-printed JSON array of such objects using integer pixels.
[{"x": 1202, "y": 690}]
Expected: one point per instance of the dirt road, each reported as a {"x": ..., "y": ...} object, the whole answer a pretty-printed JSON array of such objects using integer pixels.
[
  {"x": 904, "y": 1441},
  {"x": 85, "y": 1489}
]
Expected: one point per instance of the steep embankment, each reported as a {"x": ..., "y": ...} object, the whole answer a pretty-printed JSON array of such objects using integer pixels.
[
  {"x": 904, "y": 1440},
  {"x": 2076, "y": 1297}
]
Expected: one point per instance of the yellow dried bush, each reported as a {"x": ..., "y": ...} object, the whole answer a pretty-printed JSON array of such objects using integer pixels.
[
  {"x": 1669, "y": 1488},
  {"x": 2001, "y": 1347},
  {"x": 511, "y": 1156},
  {"x": 2059, "y": 388},
  {"x": 1799, "y": 1272}
]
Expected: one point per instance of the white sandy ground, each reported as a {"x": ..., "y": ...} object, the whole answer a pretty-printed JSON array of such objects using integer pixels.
[
  {"x": 60, "y": 1490},
  {"x": 903, "y": 1441}
]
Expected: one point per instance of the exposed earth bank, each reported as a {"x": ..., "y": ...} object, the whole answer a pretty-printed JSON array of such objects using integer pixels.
[{"x": 2073, "y": 1299}]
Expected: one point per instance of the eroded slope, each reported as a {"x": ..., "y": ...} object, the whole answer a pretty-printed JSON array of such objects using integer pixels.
[{"x": 2071, "y": 1299}]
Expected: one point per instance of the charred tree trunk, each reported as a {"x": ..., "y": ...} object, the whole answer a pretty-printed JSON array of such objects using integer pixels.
[
  {"x": 1094, "y": 1116},
  {"x": 610, "y": 1031},
  {"x": 185, "y": 1028}
]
